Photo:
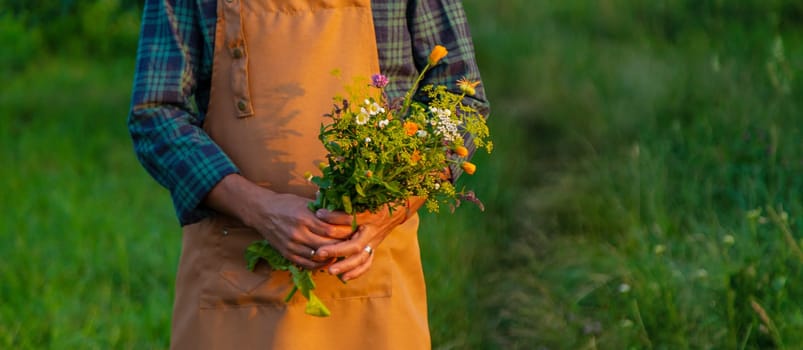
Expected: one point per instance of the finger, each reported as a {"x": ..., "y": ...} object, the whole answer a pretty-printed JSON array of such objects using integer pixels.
[
  {"x": 302, "y": 255},
  {"x": 305, "y": 262},
  {"x": 334, "y": 217},
  {"x": 345, "y": 248},
  {"x": 350, "y": 264},
  {"x": 325, "y": 229},
  {"x": 306, "y": 236},
  {"x": 360, "y": 269}
]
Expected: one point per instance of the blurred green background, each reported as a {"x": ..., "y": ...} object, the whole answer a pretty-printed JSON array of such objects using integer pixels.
[{"x": 645, "y": 192}]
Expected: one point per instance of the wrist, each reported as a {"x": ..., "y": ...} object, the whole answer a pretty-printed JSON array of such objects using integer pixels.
[{"x": 237, "y": 197}]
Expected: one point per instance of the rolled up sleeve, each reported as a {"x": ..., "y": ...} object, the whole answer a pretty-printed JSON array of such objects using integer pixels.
[{"x": 164, "y": 122}]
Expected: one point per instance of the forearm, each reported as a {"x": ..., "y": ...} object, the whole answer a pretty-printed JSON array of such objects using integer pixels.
[{"x": 237, "y": 197}]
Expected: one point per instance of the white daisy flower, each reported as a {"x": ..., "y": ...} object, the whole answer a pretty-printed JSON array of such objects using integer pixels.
[
  {"x": 375, "y": 108},
  {"x": 383, "y": 123},
  {"x": 362, "y": 117},
  {"x": 422, "y": 133},
  {"x": 367, "y": 140}
]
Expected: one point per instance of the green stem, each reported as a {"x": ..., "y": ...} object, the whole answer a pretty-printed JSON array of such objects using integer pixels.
[
  {"x": 408, "y": 98},
  {"x": 290, "y": 295},
  {"x": 459, "y": 102}
]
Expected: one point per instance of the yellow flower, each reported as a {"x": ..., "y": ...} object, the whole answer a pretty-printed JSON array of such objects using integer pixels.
[
  {"x": 410, "y": 128},
  {"x": 437, "y": 54},
  {"x": 461, "y": 151},
  {"x": 468, "y": 86},
  {"x": 469, "y": 168}
]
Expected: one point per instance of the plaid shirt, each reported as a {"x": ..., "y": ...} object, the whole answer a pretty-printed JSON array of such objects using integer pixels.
[{"x": 173, "y": 77}]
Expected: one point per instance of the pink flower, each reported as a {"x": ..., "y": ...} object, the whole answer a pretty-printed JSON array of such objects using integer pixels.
[{"x": 379, "y": 81}]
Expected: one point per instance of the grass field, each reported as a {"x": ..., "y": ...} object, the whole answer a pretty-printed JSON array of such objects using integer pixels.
[{"x": 645, "y": 191}]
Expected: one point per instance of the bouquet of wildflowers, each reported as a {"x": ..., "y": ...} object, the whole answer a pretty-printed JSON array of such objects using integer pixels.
[{"x": 382, "y": 152}]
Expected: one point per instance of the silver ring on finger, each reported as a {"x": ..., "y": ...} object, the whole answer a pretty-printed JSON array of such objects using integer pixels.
[
  {"x": 312, "y": 253},
  {"x": 369, "y": 250}
]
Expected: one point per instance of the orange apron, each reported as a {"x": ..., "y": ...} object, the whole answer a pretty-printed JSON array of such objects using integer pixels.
[{"x": 271, "y": 84}]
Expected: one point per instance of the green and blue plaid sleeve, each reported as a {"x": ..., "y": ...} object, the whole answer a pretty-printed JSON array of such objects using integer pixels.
[
  {"x": 406, "y": 32},
  {"x": 173, "y": 62},
  {"x": 444, "y": 22}
]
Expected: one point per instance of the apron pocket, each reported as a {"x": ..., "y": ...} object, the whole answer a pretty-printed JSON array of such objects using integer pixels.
[{"x": 231, "y": 284}]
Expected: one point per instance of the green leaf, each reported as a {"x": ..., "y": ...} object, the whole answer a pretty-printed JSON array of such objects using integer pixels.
[
  {"x": 392, "y": 186},
  {"x": 334, "y": 147},
  {"x": 321, "y": 182},
  {"x": 315, "y": 307},
  {"x": 346, "y": 204},
  {"x": 359, "y": 189},
  {"x": 302, "y": 281},
  {"x": 263, "y": 250},
  {"x": 291, "y": 294}
]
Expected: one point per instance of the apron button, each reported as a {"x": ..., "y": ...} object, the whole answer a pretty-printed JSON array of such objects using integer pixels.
[
  {"x": 241, "y": 106},
  {"x": 237, "y": 53},
  {"x": 225, "y": 232}
]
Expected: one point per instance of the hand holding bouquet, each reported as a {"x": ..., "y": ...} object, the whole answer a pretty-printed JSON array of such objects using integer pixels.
[{"x": 380, "y": 153}]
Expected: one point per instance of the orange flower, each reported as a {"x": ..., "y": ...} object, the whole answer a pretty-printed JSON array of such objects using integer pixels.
[
  {"x": 468, "y": 86},
  {"x": 410, "y": 128},
  {"x": 438, "y": 52},
  {"x": 415, "y": 157},
  {"x": 445, "y": 174},
  {"x": 469, "y": 168},
  {"x": 461, "y": 151},
  {"x": 369, "y": 173}
]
